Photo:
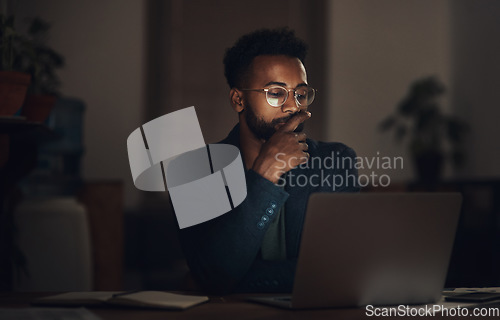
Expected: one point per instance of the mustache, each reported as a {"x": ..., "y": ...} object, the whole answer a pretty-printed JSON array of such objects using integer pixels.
[{"x": 284, "y": 119}]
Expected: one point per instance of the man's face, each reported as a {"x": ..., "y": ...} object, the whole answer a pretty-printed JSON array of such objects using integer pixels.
[{"x": 265, "y": 71}]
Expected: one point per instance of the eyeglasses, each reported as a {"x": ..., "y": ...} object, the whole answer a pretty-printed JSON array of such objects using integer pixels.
[{"x": 276, "y": 96}]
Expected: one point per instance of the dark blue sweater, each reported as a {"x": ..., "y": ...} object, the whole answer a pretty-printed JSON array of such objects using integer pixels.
[{"x": 223, "y": 253}]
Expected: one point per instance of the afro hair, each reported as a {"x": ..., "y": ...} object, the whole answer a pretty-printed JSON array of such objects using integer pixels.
[{"x": 281, "y": 41}]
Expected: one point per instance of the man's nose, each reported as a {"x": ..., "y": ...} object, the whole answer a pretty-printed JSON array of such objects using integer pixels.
[{"x": 290, "y": 105}]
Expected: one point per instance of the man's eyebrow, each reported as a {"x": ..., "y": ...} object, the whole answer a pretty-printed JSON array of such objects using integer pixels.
[
  {"x": 275, "y": 83},
  {"x": 283, "y": 84}
]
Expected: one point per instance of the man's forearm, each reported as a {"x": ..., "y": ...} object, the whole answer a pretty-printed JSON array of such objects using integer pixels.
[
  {"x": 221, "y": 251},
  {"x": 269, "y": 276}
]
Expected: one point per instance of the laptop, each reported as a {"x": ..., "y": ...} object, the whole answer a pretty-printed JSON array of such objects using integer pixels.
[{"x": 373, "y": 249}]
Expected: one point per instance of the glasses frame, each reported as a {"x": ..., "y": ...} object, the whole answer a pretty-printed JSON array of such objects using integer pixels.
[{"x": 266, "y": 90}]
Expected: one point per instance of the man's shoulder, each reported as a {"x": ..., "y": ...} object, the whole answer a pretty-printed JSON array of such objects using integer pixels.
[{"x": 233, "y": 137}]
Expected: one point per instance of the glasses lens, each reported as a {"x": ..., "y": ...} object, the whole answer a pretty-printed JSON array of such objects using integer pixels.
[
  {"x": 276, "y": 96},
  {"x": 304, "y": 96}
]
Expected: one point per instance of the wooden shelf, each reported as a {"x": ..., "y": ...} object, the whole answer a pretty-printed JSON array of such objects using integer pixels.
[{"x": 19, "y": 128}]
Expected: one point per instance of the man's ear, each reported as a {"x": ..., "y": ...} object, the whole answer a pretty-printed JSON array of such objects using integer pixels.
[{"x": 236, "y": 100}]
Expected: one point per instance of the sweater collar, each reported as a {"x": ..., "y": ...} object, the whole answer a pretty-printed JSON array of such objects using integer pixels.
[{"x": 233, "y": 137}]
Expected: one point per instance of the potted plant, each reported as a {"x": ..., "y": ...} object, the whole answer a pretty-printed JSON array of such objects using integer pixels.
[
  {"x": 41, "y": 65},
  {"x": 432, "y": 137},
  {"x": 13, "y": 84}
]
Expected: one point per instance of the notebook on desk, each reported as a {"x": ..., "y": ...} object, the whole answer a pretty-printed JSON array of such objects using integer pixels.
[
  {"x": 373, "y": 249},
  {"x": 143, "y": 299}
]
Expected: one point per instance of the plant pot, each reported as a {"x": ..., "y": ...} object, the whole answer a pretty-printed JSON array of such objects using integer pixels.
[
  {"x": 37, "y": 107},
  {"x": 13, "y": 87},
  {"x": 429, "y": 167}
]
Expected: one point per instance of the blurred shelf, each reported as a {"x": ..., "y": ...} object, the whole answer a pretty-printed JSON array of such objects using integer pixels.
[{"x": 18, "y": 128}]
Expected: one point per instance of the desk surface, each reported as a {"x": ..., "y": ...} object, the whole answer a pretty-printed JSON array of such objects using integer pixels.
[{"x": 227, "y": 307}]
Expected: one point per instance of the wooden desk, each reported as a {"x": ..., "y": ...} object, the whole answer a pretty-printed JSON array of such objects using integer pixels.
[{"x": 227, "y": 307}]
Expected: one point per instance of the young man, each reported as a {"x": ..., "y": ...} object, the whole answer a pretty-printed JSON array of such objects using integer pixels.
[{"x": 254, "y": 248}]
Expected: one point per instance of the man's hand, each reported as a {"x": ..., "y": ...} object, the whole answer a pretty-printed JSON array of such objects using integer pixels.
[{"x": 284, "y": 150}]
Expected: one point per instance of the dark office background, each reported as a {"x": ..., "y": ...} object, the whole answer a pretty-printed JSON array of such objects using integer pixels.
[{"x": 131, "y": 61}]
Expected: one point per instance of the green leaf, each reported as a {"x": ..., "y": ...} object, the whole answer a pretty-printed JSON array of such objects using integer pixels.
[
  {"x": 387, "y": 123},
  {"x": 400, "y": 132}
]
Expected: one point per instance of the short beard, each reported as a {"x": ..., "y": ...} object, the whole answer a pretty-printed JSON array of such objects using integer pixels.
[{"x": 265, "y": 130}]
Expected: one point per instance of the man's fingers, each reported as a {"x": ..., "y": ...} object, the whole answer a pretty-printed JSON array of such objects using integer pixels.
[
  {"x": 306, "y": 157},
  {"x": 294, "y": 122},
  {"x": 301, "y": 136},
  {"x": 305, "y": 147}
]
